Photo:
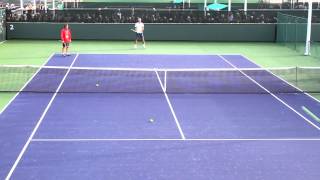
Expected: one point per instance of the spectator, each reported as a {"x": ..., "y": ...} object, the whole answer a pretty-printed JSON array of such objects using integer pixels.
[{"x": 230, "y": 17}]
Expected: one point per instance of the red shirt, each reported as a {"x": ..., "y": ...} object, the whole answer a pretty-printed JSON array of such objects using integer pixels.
[{"x": 65, "y": 35}]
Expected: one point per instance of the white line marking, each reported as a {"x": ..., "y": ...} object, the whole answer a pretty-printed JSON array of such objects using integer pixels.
[
  {"x": 6, "y": 106},
  {"x": 39, "y": 122},
  {"x": 284, "y": 79},
  {"x": 2, "y": 42},
  {"x": 276, "y": 97},
  {"x": 171, "y": 108},
  {"x": 175, "y": 54},
  {"x": 217, "y": 139}
]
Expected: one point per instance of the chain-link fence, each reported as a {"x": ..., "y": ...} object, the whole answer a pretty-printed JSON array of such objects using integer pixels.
[{"x": 2, "y": 25}]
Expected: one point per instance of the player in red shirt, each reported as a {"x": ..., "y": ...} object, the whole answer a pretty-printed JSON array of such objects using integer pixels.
[{"x": 65, "y": 38}]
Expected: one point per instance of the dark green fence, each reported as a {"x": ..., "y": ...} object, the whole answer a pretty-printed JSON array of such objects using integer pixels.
[{"x": 176, "y": 32}]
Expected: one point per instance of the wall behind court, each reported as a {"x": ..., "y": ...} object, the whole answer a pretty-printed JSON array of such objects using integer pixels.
[{"x": 164, "y": 32}]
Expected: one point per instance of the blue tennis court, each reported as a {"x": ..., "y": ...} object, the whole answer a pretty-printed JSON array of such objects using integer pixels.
[{"x": 143, "y": 128}]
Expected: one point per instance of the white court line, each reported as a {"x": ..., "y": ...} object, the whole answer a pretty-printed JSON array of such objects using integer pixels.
[
  {"x": 276, "y": 97},
  {"x": 39, "y": 122},
  {"x": 282, "y": 79},
  {"x": 2, "y": 42},
  {"x": 171, "y": 108},
  {"x": 174, "y": 54},
  {"x": 215, "y": 139},
  {"x": 6, "y": 106}
]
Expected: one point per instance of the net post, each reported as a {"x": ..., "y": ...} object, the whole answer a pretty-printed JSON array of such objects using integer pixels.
[
  {"x": 286, "y": 25},
  {"x": 165, "y": 81},
  {"x": 245, "y": 6},
  {"x": 21, "y": 4},
  {"x": 34, "y": 8},
  {"x": 296, "y": 75},
  {"x": 295, "y": 35},
  {"x": 46, "y": 5},
  {"x": 205, "y": 8},
  {"x": 307, "y": 48}
]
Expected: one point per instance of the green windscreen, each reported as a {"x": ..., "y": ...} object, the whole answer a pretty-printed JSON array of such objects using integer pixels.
[{"x": 2, "y": 25}]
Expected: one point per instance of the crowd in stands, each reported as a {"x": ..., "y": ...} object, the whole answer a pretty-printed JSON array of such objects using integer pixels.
[
  {"x": 148, "y": 16},
  {"x": 129, "y": 15}
]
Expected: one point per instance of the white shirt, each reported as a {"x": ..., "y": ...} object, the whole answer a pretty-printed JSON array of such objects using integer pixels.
[{"x": 139, "y": 27}]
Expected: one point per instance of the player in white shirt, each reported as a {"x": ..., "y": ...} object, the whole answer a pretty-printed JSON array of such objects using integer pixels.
[{"x": 139, "y": 28}]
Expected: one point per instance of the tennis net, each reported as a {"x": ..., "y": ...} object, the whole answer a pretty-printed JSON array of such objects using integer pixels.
[{"x": 133, "y": 80}]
